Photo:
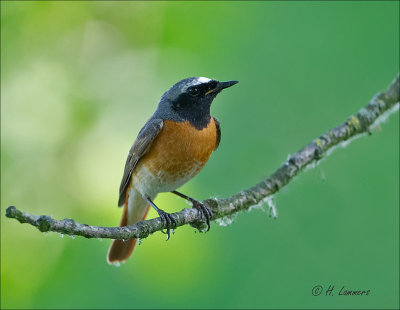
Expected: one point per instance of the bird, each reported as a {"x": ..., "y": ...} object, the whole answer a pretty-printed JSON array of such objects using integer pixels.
[{"x": 170, "y": 149}]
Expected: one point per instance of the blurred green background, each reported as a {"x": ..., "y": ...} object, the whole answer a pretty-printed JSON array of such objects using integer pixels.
[{"x": 79, "y": 79}]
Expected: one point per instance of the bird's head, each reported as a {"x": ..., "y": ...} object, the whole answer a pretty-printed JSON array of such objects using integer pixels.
[{"x": 190, "y": 100}]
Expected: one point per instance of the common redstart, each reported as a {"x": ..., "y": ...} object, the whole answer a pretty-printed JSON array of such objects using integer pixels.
[{"x": 171, "y": 148}]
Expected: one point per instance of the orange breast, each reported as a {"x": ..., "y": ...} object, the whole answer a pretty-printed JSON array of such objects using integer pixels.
[{"x": 180, "y": 150}]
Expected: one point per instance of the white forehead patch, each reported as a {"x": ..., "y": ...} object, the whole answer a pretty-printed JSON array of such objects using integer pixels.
[
  {"x": 202, "y": 80},
  {"x": 198, "y": 81}
]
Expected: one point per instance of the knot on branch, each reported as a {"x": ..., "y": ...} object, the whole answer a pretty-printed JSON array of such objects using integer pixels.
[
  {"x": 11, "y": 211},
  {"x": 44, "y": 223}
]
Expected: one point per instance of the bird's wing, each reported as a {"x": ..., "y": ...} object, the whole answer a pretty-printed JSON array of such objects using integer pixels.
[
  {"x": 139, "y": 148},
  {"x": 218, "y": 133}
]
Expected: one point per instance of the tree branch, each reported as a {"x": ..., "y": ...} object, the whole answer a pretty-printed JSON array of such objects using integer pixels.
[{"x": 380, "y": 107}]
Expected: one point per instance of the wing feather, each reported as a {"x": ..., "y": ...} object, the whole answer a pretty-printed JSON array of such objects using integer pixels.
[
  {"x": 218, "y": 133},
  {"x": 139, "y": 148}
]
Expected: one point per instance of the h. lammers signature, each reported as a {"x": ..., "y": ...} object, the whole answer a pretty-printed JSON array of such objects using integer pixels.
[{"x": 318, "y": 289}]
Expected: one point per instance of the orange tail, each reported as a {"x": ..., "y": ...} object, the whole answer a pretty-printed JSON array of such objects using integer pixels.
[{"x": 120, "y": 250}]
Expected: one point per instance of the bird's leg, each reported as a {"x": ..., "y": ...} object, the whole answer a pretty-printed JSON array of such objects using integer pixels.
[
  {"x": 165, "y": 217},
  {"x": 204, "y": 210}
]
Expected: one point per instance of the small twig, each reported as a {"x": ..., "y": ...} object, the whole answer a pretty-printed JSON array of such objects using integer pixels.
[{"x": 360, "y": 123}]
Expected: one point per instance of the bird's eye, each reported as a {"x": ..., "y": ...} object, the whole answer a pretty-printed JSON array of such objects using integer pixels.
[{"x": 194, "y": 91}]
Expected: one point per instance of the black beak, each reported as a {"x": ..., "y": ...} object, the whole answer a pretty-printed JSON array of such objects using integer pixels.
[{"x": 221, "y": 86}]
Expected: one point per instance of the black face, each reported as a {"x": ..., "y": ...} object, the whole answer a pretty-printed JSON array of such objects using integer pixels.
[
  {"x": 202, "y": 89},
  {"x": 194, "y": 103},
  {"x": 190, "y": 100}
]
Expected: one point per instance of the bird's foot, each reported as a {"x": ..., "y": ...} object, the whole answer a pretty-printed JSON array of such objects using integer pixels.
[
  {"x": 205, "y": 211},
  {"x": 167, "y": 220}
]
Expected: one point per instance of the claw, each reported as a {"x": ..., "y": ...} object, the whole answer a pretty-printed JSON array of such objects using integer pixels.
[
  {"x": 165, "y": 222},
  {"x": 166, "y": 218},
  {"x": 169, "y": 221},
  {"x": 204, "y": 210}
]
